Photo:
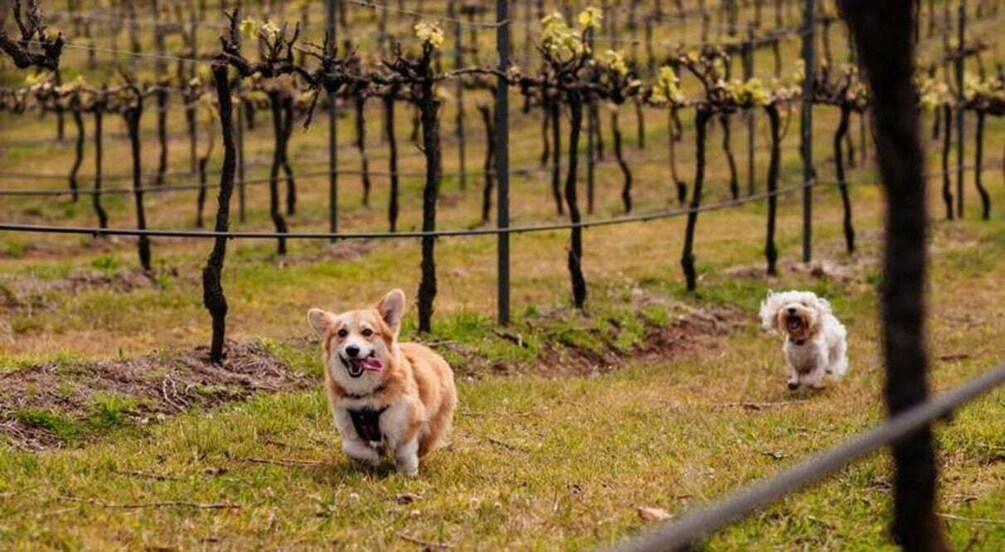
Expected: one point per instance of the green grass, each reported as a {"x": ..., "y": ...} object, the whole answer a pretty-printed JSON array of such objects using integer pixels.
[
  {"x": 535, "y": 462},
  {"x": 543, "y": 458}
]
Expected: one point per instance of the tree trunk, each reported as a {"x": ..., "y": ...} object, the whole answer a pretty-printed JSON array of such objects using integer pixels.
[
  {"x": 360, "y": 104},
  {"x": 626, "y": 173},
  {"x": 576, "y": 232},
  {"x": 490, "y": 154},
  {"x": 770, "y": 250},
  {"x": 727, "y": 146},
  {"x": 687, "y": 257},
  {"x": 291, "y": 185},
  {"x": 555, "y": 109},
  {"x": 212, "y": 287},
  {"x": 192, "y": 127},
  {"x": 979, "y": 167},
  {"x": 99, "y": 210},
  {"x": 278, "y": 128},
  {"x": 947, "y": 132},
  {"x": 132, "y": 117},
  {"x": 842, "y": 131},
  {"x": 78, "y": 122},
  {"x": 883, "y": 33},
  {"x": 428, "y": 109},
  {"x": 640, "y": 121},
  {"x": 545, "y": 126},
  {"x": 201, "y": 198},
  {"x": 680, "y": 186},
  {"x": 392, "y": 146},
  {"x": 162, "y": 138}
]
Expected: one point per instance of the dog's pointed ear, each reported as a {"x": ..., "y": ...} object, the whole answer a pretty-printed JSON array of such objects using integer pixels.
[
  {"x": 392, "y": 309},
  {"x": 320, "y": 320}
]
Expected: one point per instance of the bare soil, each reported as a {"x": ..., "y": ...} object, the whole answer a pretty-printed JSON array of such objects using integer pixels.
[{"x": 153, "y": 386}]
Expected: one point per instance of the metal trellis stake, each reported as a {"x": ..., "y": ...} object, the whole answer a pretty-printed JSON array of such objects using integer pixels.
[
  {"x": 502, "y": 156},
  {"x": 809, "y": 56},
  {"x": 331, "y": 14},
  {"x": 960, "y": 62}
]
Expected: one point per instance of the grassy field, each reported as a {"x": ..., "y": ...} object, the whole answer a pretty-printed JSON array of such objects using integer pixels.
[{"x": 568, "y": 422}]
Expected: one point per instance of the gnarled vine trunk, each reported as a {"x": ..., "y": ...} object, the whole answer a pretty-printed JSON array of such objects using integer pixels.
[
  {"x": 575, "y": 260},
  {"x": 770, "y": 250},
  {"x": 640, "y": 122},
  {"x": 842, "y": 131},
  {"x": 490, "y": 155},
  {"x": 545, "y": 127},
  {"x": 132, "y": 116},
  {"x": 360, "y": 105},
  {"x": 727, "y": 146},
  {"x": 947, "y": 188},
  {"x": 626, "y": 173},
  {"x": 278, "y": 129},
  {"x": 428, "y": 113},
  {"x": 200, "y": 202},
  {"x": 78, "y": 159},
  {"x": 291, "y": 184},
  {"x": 162, "y": 138},
  {"x": 212, "y": 286},
  {"x": 674, "y": 136},
  {"x": 392, "y": 160},
  {"x": 99, "y": 209},
  {"x": 554, "y": 112},
  {"x": 979, "y": 167},
  {"x": 687, "y": 256}
]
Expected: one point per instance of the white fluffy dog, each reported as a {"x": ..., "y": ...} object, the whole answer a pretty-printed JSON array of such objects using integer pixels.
[{"x": 815, "y": 341}]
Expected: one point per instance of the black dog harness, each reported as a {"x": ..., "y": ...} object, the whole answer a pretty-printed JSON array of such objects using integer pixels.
[{"x": 366, "y": 420}]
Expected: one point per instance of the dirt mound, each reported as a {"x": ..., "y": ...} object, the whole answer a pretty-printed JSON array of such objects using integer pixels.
[
  {"x": 29, "y": 293},
  {"x": 597, "y": 347},
  {"x": 345, "y": 250},
  {"x": 46, "y": 405},
  {"x": 848, "y": 270}
]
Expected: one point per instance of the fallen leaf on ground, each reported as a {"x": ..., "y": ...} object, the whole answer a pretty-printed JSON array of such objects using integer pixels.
[{"x": 648, "y": 513}]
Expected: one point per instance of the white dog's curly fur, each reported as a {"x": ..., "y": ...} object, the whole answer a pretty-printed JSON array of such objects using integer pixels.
[{"x": 815, "y": 341}]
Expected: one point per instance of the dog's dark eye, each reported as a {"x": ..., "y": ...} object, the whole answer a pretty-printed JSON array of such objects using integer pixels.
[
  {"x": 367, "y": 332},
  {"x": 343, "y": 332}
]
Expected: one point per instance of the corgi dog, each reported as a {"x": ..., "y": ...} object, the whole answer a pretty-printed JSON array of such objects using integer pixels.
[{"x": 384, "y": 395}]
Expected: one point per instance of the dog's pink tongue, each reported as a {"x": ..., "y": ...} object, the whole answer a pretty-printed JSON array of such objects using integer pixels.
[{"x": 373, "y": 364}]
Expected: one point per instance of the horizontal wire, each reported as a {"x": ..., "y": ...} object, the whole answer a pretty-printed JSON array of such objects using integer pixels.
[
  {"x": 436, "y": 17},
  {"x": 685, "y": 532},
  {"x": 521, "y": 171},
  {"x": 124, "y": 18},
  {"x": 624, "y": 219}
]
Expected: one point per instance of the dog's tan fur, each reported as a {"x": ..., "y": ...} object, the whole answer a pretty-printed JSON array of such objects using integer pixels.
[{"x": 415, "y": 384}]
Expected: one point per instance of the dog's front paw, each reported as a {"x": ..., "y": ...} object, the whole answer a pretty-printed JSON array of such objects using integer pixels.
[
  {"x": 411, "y": 473},
  {"x": 793, "y": 385},
  {"x": 361, "y": 453},
  {"x": 407, "y": 468}
]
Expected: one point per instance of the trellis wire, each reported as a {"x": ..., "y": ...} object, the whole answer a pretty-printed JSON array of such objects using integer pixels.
[
  {"x": 688, "y": 530},
  {"x": 624, "y": 219}
]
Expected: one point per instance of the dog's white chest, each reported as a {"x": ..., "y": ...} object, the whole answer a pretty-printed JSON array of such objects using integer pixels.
[{"x": 804, "y": 358}]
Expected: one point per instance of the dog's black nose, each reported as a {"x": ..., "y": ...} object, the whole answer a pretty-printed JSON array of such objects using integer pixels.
[
  {"x": 352, "y": 351},
  {"x": 792, "y": 310}
]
